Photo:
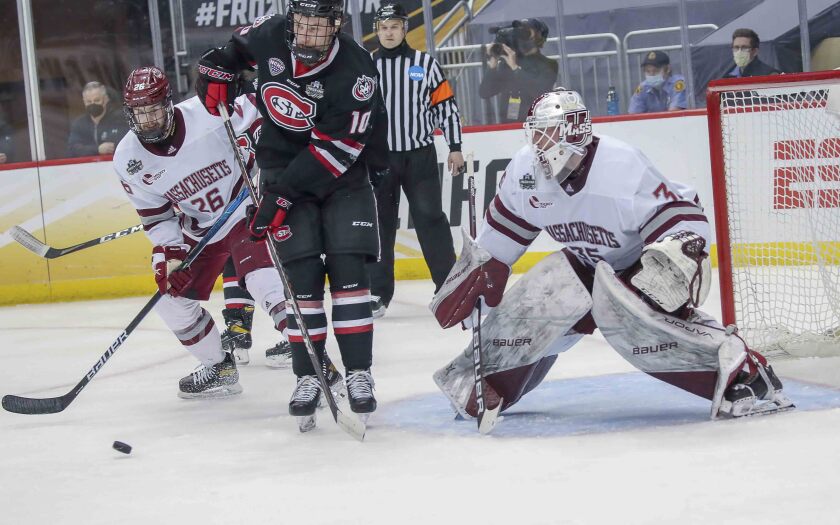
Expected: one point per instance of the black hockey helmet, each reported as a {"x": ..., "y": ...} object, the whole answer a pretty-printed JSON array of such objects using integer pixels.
[
  {"x": 314, "y": 51},
  {"x": 390, "y": 11}
]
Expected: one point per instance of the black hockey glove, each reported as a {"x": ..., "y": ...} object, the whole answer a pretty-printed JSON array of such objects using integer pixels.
[
  {"x": 269, "y": 217},
  {"x": 216, "y": 83}
]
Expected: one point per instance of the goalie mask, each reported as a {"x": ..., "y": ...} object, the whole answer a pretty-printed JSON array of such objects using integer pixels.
[
  {"x": 147, "y": 104},
  {"x": 559, "y": 129},
  {"x": 311, "y": 28}
]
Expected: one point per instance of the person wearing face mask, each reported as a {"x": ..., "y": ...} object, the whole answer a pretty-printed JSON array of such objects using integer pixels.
[
  {"x": 98, "y": 131},
  {"x": 518, "y": 75},
  {"x": 660, "y": 90},
  {"x": 745, "y": 44}
]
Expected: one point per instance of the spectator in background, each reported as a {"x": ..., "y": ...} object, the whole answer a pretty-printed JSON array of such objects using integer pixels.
[
  {"x": 660, "y": 90},
  {"x": 98, "y": 131},
  {"x": 516, "y": 69},
  {"x": 745, "y": 44},
  {"x": 7, "y": 141}
]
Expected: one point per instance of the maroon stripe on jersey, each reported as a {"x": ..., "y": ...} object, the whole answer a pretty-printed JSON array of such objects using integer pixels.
[
  {"x": 326, "y": 138},
  {"x": 310, "y": 304},
  {"x": 354, "y": 329},
  {"x": 522, "y": 223},
  {"x": 670, "y": 223},
  {"x": 211, "y": 325},
  {"x": 506, "y": 231},
  {"x": 332, "y": 169},
  {"x": 231, "y": 279},
  {"x": 669, "y": 206},
  {"x": 151, "y": 212}
]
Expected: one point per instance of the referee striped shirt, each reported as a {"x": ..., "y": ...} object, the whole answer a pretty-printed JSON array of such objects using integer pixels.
[{"x": 418, "y": 99}]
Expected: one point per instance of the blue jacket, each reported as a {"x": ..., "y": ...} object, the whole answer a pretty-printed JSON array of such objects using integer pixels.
[{"x": 671, "y": 95}]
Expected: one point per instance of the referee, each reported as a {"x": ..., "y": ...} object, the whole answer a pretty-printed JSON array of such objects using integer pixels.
[{"x": 418, "y": 99}]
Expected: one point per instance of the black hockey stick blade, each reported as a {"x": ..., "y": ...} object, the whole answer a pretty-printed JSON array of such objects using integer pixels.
[
  {"x": 27, "y": 405},
  {"x": 28, "y": 241}
]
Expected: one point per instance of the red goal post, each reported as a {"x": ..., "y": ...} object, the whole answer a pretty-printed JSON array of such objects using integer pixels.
[{"x": 775, "y": 160}]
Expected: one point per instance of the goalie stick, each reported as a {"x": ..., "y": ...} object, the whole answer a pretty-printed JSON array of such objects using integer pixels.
[
  {"x": 352, "y": 425},
  {"x": 487, "y": 418},
  {"x": 28, "y": 241},
  {"x": 52, "y": 405}
]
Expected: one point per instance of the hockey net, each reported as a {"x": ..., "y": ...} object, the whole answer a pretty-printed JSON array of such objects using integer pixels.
[{"x": 775, "y": 151}]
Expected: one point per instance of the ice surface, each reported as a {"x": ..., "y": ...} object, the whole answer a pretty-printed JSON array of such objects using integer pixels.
[{"x": 596, "y": 443}]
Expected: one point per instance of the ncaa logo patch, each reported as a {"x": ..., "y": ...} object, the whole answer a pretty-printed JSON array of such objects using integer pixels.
[
  {"x": 276, "y": 66},
  {"x": 364, "y": 88},
  {"x": 416, "y": 73},
  {"x": 287, "y": 108}
]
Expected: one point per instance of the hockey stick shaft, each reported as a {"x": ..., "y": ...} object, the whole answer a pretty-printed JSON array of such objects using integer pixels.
[
  {"x": 25, "y": 405},
  {"x": 352, "y": 425},
  {"x": 486, "y": 418},
  {"x": 28, "y": 241}
]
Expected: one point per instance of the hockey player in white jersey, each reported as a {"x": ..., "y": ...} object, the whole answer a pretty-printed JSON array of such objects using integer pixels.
[
  {"x": 634, "y": 264},
  {"x": 179, "y": 158}
]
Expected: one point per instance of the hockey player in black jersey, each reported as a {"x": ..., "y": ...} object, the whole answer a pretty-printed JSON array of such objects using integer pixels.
[{"x": 317, "y": 92}]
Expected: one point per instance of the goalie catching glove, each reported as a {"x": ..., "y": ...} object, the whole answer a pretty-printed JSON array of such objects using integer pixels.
[
  {"x": 165, "y": 260},
  {"x": 216, "y": 84},
  {"x": 675, "y": 271},
  {"x": 476, "y": 274}
]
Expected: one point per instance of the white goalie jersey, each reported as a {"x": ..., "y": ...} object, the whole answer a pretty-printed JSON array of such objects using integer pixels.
[
  {"x": 618, "y": 203},
  {"x": 195, "y": 172}
]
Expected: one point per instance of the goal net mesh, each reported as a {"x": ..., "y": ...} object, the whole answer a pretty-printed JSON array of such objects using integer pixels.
[{"x": 781, "y": 152}]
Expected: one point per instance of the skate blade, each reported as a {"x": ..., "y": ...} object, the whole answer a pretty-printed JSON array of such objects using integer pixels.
[
  {"x": 306, "y": 423},
  {"x": 780, "y": 403},
  {"x": 278, "y": 363},
  {"x": 213, "y": 393}
]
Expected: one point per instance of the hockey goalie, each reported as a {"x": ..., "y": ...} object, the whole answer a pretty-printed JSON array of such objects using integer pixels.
[{"x": 634, "y": 264}]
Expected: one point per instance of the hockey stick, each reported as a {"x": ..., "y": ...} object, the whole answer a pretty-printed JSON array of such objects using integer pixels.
[
  {"x": 487, "y": 418},
  {"x": 352, "y": 425},
  {"x": 28, "y": 241},
  {"x": 52, "y": 405}
]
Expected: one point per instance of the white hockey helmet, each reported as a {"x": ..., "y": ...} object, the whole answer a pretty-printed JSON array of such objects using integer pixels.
[{"x": 559, "y": 129}]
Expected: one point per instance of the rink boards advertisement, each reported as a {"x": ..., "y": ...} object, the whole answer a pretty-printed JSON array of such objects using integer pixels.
[{"x": 63, "y": 203}]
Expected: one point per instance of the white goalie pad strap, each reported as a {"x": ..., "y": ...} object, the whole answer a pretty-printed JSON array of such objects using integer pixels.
[
  {"x": 530, "y": 323},
  {"x": 670, "y": 277},
  {"x": 660, "y": 344}
]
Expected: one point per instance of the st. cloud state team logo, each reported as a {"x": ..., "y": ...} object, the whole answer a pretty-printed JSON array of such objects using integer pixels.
[{"x": 287, "y": 108}]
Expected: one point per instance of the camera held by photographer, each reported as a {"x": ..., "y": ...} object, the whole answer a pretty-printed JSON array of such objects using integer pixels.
[{"x": 516, "y": 69}]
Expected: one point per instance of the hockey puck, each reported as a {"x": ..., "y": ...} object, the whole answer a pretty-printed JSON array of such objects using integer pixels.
[{"x": 122, "y": 447}]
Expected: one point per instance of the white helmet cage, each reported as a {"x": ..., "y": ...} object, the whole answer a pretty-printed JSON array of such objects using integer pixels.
[{"x": 559, "y": 128}]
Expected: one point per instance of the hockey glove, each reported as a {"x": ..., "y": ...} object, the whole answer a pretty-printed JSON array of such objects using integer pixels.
[
  {"x": 164, "y": 261},
  {"x": 268, "y": 217},
  {"x": 476, "y": 274},
  {"x": 216, "y": 84}
]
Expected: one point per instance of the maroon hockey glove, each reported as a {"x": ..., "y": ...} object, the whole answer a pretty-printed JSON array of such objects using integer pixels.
[
  {"x": 164, "y": 261},
  {"x": 457, "y": 297},
  {"x": 215, "y": 84},
  {"x": 269, "y": 216}
]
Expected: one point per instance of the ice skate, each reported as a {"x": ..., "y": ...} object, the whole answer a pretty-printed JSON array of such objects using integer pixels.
[
  {"x": 759, "y": 394},
  {"x": 219, "y": 380},
  {"x": 304, "y": 401},
  {"x": 279, "y": 355},
  {"x": 237, "y": 336},
  {"x": 360, "y": 392},
  {"x": 377, "y": 307}
]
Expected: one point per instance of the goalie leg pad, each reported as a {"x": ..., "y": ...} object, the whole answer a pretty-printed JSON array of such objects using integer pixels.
[
  {"x": 533, "y": 320},
  {"x": 681, "y": 352}
]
